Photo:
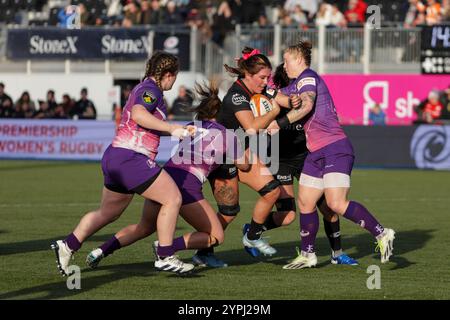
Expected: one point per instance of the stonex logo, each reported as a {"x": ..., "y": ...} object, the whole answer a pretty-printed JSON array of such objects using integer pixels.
[
  {"x": 40, "y": 45},
  {"x": 111, "y": 44}
]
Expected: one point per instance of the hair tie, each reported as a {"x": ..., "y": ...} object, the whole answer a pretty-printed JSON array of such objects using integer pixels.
[{"x": 245, "y": 56}]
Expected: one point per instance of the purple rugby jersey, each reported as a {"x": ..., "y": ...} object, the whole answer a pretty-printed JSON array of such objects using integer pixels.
[
  {"x": 134, "y": 137},
  {"x": 321, "y": 125}
]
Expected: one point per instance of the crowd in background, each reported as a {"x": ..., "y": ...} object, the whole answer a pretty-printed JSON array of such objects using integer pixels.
[
  {"x": 67, "y": 108},
  {"x": 214, "y": 18}
]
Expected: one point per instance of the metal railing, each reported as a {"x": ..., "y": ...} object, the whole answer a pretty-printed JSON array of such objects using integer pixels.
[{"x": 353, "y": 50}]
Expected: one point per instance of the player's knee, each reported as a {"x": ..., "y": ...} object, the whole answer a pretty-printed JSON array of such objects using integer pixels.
[
  {"x": 336, "y": 206},
  {"x": 176, "y": 201}
]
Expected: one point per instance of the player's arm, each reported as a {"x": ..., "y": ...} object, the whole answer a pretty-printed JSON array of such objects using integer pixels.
[
  {"x": 283, "y": 100},
  {"x": 145, "y": 119},
  {"x": 307, "y": 99},
  {"x": 250, "y": 123}
]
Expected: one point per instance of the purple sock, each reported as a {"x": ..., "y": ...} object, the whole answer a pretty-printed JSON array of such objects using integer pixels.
[
  {"x": 360, "y": 215},
  {"x": 165, "y": 251},
  {"x": 309, "y": 225},
  {"x": 110, "y": 246},
  {"x": 72, "y": 242},
  {"x": 179, "y": 244}
]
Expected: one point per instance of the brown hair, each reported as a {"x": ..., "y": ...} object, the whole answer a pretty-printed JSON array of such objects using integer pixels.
[
  {"x": 210, "y": 102},
  {"x": 280, "y": 78},
  {"x": 303, "y": 48},
  {"x": 159, "y": 64},
  {"x": 251, "y": 65}
]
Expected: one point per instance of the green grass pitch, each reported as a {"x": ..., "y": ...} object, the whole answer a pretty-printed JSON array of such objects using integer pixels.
[{"x": 43, "y": 201}]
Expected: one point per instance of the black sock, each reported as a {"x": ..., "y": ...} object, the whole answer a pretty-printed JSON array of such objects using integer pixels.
[
  {"x": 333, "y": 231},
  {"x": 270, "y": 224},
  {"x": 255, "y": 231},
  {"x": 205, "y": 251}
]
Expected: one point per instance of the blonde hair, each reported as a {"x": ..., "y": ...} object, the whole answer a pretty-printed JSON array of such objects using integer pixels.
[{"x": 303, "y": 48}]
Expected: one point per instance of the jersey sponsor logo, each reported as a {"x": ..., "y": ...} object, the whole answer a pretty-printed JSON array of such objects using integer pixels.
[
  {"x": 284, "y": 178},
  {"x": 306, "y": 81},
  {"x": 148, "y": 97},
  {"x": 237, "y": 99}
]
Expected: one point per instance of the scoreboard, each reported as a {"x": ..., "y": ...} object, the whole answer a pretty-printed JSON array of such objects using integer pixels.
[{"x": 435, "y": 49}]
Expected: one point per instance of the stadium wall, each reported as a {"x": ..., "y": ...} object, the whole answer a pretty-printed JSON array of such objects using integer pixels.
[{"x": 424, "y": 147}]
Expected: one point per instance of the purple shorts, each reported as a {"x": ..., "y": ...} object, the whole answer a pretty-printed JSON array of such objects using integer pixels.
[
  {"x": 190, "y": 186},
  {"x": 335, "y": 157},
  {"x": 126, "y": 171}
]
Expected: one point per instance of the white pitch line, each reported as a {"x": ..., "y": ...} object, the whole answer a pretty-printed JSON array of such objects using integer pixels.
[{"x": 81, "y": 204}]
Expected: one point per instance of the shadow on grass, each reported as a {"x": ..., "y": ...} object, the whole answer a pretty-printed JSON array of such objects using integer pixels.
[
  {"x": 117, "y": 272},
  {"x": 362, "y": 244},
  {"x": 39, "y": 245}
]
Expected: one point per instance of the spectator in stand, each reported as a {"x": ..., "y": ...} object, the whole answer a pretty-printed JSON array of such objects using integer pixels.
[
  {"x": 6, "y": 109},
  {"x": 182, "y": 103},
  {"x": 430, "y": 109},
  {"x": 323, "y": 16},
  {"x": 433, "y": 12},
  {"x": 308, "y": 6},
  {"x": 132, "y": 12},
  {"x": 377, "y": 117},
  {"x": 146, "y": 12},
  {"x": 51, "y": 101},
  {"x": 114, "y": 12},
  {"x": 25, "y": 107},
  {"x": 414, "y": 7},
  {"x": 86, "y": 19},
  {"x": 66, "y": 16},
  {"x": 446, "y": 11},
  {"x": 299, "y": 17},
  {"x": 66, "y": 106},
  {"x": 194, "y": 18},
  {"x": 356, "y": 12},
  {"x": 445, "y": 102},
  {"x": 84, "y": 108},
  {"x": 172, "y": 14},
  {"x": 337, "y": 17},
  {"x": 157, "y": 15},
  {"x": 222, "y": 23},
  {"x": 44, "y": 112}
]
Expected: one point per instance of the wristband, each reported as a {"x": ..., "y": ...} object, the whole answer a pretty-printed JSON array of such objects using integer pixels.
[{"x": 283, "y": 122}]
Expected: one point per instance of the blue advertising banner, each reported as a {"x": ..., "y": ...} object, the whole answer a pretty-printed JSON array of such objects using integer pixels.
[{"x": 95, "y": 44}]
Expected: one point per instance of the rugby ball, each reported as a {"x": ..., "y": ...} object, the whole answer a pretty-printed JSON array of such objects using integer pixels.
[{"x": 260, "y": 105}]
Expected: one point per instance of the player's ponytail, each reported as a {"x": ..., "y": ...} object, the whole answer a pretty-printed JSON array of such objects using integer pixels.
[
  {"x": 251, "y": 61},
  {"x": 210, "y": 102},
  {"x": 280, "y": 78},
  {"x": 159, "y": 64}
]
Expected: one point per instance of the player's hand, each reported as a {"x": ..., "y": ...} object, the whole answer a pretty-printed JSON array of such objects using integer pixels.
[
  {"x": 296, "y": 102},
  {"x": 182, "y": 132},
  {"x": 275, "y": 107},
  {"x": 273, "y": 128}
]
